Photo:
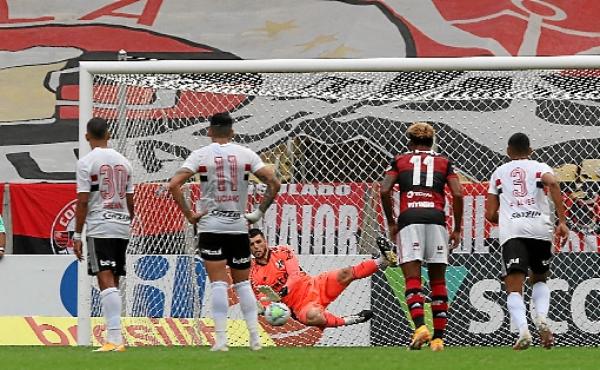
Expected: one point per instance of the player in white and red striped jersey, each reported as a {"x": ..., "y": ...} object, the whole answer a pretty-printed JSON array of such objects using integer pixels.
[
  {"x": 224, "y": 168},
  {"x": 105, "y": 206},
  {"x": 518, "y": 203}
]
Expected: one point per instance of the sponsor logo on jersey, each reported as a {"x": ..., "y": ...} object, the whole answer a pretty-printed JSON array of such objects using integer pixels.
[
  {"x": 116, "y": 216},
  {"x": 419, "y": 194},
  {"x": 526, "y": 214},
  {"x": 226, "y": 214},
  {"x": 421, "y": 204}
]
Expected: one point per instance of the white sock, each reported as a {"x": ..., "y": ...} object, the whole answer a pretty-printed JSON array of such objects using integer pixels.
[
  {"x": 516, "y": 308},
  {"x": 111, "y": 309},
  {"x": 540, "y": 295},
  {"x": 249, "y": 309},
  {"x": 220, "y": 305}
]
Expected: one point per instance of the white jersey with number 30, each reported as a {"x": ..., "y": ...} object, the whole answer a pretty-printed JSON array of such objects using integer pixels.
[
  {"x": 108, "y": 177},
  {"x": 224, "y": 170},
  {"x": 524, "y": 208}
]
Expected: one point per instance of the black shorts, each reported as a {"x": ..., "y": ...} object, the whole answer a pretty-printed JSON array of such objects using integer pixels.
[
  {"x": 523, "y": 254},
  {"x": 235, "y": 248},
  {"x": 106, "y": 254}
]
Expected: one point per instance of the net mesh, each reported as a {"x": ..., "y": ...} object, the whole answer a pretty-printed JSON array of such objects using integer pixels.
[{"x": 329, "y": 137}]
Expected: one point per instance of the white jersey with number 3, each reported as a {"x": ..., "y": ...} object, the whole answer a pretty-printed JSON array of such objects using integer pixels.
[
  {"x": 224, "y": 170},
  {"x": 524, "y": 208},
  {"x": 108, "y": 177}
]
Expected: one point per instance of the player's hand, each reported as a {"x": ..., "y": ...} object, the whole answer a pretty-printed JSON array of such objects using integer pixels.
[
  {"x": 253, "y": 217},
  {"x": 561, "y": 233},
  {"x": 194, "y": 217},
  {"x": 78, "y": 249},
  {"x": 392, "y": 230},
  {"x": 260, "y": 307},
  {"x": 454, "y": 240}
]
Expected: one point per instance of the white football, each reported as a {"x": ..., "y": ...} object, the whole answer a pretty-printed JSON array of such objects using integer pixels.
[{"x": 277, "y": 313}]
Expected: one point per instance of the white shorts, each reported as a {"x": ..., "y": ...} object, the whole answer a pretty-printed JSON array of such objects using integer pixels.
[{"x": 423, "y": 242}]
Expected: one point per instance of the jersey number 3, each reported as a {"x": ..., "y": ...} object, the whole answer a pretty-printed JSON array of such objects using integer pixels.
[
  {"x": 428, "y": 162},
  {"x": 519, "y": 182}
]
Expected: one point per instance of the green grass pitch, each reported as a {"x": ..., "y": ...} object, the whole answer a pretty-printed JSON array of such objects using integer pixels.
[{"x": 364, "y": 358}]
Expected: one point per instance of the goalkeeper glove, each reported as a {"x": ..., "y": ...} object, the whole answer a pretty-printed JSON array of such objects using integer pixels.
[
  {"x": 260, "y": 308},
  {"x": 253, "y": 217}
]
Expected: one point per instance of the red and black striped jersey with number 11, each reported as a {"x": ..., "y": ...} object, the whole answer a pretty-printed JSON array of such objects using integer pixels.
[{"x": 422, "y": 177}]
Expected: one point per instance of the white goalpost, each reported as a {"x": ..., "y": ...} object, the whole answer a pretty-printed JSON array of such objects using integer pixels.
[{"x": 330, "y": 127}]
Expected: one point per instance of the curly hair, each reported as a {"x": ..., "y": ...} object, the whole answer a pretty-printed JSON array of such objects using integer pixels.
[{"x": 421, "y": 133}]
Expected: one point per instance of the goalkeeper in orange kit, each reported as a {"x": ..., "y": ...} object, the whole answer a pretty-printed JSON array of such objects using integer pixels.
[{"x": 275, "y": 274}]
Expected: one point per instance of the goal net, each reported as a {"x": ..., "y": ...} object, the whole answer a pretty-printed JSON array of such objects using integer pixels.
[{"x": 329, "y": 134}]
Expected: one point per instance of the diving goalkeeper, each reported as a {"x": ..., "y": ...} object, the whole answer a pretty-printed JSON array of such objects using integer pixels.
[{"x": 277, "y": 268}]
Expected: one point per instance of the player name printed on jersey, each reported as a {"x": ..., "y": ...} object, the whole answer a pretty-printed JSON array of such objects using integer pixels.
[
  {"x": 108, "y": 177},
  {"x": 524, "y": 207}
]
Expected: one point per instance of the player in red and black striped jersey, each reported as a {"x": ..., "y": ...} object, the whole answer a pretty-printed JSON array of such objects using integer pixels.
[{"x": 420, "y": 229}]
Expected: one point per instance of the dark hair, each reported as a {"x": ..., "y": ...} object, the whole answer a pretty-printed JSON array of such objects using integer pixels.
[
  {"x": 519, "y": 143},
  {"x": 254, "y": 232},
  {"x": 221, "y": 119},
  {"x": 97, "y": 128},
  {"x": 220, "y": 124}
]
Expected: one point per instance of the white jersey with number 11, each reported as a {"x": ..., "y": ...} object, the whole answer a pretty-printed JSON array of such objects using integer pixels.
[{"x": 224, "y": 170}]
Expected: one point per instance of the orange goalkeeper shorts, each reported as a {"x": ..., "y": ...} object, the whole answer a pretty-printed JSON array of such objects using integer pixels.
[{"x": 320, "y": 291}]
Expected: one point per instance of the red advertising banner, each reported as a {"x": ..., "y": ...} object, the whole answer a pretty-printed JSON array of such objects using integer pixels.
[
  {"x": 42, "y": 215},
  {"x": 312, "y": 218}
]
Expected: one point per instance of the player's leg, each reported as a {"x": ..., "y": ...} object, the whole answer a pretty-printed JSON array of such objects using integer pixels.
[
  {"x": 211, "y": 247},
  {"x": 436, "y": 256},
  {"x": 540, "y": 254},
  {"x": 316, "y": 315},
  {"x": 239, "y": 262},
  {"x": 515, "y": 267},
  {"x": 411, "y": 240},
  {"x": 107, "y": 261},
  {"x": 439, "y": 304}
]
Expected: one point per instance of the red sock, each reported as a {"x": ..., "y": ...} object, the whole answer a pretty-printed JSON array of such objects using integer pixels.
[
  {"x": 415, "y": 300},
  {"x": 332, "y": 320},
  {"x": 439, "y": 307},
  {"x": 364, "y": 269}
]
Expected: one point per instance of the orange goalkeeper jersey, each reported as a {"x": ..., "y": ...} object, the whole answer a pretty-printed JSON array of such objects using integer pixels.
[{"x": 281, "y": 270}]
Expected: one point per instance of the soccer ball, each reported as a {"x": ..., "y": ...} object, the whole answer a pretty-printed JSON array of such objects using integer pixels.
[{"x": 277, "y": 313}]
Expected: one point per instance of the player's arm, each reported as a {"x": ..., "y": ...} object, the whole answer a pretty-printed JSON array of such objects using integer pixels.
[
  {"x": 84, "y": 186},
  {"x": 175, "y": 184},
  {"x": 2, "y": 238},
  {"x": 387, "y": 187},
  {"x": 129, "y": 194},
  {"x": 81, "y": 211},
  {"x": 267, "y": 176},
  {"x": 562, "y": 231},
  {"x": 492, "y": 204},
  {"x": 292, "y": 266},
  {"x": 457, "y": 209}
]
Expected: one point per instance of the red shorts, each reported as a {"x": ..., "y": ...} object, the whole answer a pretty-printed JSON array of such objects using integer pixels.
[{"x": 317, "y": 292}]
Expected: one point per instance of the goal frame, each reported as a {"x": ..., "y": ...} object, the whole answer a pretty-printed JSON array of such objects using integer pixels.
[{"x": 87, "y": 69}]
